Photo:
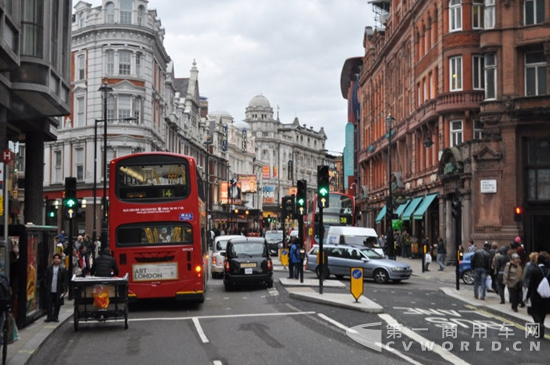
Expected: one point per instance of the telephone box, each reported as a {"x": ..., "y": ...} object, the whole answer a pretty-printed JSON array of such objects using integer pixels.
[{"x": 30, "y": 249}]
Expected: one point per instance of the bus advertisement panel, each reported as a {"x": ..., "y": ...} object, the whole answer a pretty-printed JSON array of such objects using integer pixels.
[
  {"x": 339, "y": 213},
  {"x": 157, "y": 225}
]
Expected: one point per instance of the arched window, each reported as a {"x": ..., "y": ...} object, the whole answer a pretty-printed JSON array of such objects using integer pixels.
[
  {"x": 141, "y": 15},
  {"x": 455, "y": 15},
  {"x": 126, "y": 11},
  {"x": 109, "y": 13}
]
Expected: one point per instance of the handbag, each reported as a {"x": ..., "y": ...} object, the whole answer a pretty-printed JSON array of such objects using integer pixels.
[{"x": 544, "y": 287}]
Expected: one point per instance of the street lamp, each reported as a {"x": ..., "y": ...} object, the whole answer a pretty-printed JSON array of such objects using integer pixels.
[
  {"x": 389, "y": 200},
  {"x": 106, "y": 89}
]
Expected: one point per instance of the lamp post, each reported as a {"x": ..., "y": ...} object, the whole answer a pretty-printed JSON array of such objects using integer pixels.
[
  {"x": 106, "y": 89},
  {"x": 389, "y": 200}
]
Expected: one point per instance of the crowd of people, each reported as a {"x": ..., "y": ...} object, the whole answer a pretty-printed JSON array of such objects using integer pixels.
[{"x": 513, "y": 274}]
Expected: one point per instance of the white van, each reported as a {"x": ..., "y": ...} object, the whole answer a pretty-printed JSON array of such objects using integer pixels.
[{"x": 354, "y": 236}]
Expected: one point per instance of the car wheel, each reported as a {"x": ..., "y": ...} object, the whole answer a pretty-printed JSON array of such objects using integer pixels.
[
  {"x": 325, "y": 272},
  {"x": 380, "y": 276},
  {"x": 468, "y": 277}
]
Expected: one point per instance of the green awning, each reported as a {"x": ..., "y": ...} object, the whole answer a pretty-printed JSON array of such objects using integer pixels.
[
  {"x": 400, "y": 209},
  {"x": 411, "y": 207},
  {"x": 380, "y": 215},
  {"x": 419, "y": 213}
]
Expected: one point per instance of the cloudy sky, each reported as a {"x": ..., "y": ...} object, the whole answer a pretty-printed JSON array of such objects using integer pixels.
[{"x": 290, "y": 51}]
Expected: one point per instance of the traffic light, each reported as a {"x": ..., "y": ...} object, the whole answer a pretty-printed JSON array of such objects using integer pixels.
[
  {"x": 456, "y": 208},
  {"x": 71, "y": 202},
  {"x": 518, "y": 214},
  {"x": 268, "y": 219},
  {"x": 288, "y": 206},
  {"x": 323, "y": 188},
  {"x": 52, "y": 211},
  {"x": 301, "y": 197}
]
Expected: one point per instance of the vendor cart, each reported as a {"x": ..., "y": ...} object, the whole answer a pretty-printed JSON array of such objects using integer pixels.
[{"x": 100, "y": 299}]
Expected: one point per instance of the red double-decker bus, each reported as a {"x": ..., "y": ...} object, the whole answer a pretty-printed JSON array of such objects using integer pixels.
[
  {"x": 157, "y": 225},
  {"x": 339, "y": 213}
]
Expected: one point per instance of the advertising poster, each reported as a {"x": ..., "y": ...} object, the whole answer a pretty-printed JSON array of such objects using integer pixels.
[
  {"x": 249, "y": 183},
  {"x": 268, "y": 194},
  {"x": 265, "y": 172}
]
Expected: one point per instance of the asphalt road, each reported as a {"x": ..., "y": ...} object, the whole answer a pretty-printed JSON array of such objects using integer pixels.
[{"x": 420, "y": 325}]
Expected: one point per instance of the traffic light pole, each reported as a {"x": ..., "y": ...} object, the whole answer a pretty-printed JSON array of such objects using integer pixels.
[{"x": 321, "y": 252}]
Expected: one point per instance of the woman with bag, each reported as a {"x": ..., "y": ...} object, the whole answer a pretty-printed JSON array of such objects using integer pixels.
[
  {"x": 512, "y": 279},
  {"x": 540, "y": 306}
]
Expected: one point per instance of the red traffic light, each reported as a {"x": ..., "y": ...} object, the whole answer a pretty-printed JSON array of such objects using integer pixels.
[{"x": 518, "y": 213}]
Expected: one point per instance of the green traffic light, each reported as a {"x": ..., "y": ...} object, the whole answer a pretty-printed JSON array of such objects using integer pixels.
[
  {"x": 301, "y": 202},
  {"x": 323, "y": 191},
  {"x": 51, "y": 214},
  {"x": 70, "y": 203}
]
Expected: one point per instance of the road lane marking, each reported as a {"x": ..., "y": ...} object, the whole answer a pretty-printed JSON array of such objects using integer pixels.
[
  {"x": 347, "y": 329},
  {"x": 437, "y": 349},
  {"x": 201, "y": 333},
  {"x": 218, "y": 316}
]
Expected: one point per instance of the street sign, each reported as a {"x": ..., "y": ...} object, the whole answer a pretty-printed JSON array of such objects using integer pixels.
[
  {"x": 7, "y": 156},
  {"x": 356, "y": 282}
]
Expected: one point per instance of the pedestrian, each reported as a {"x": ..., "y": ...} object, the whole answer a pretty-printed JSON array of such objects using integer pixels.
[
  {"x": 406, "y": 245},
  {"x": 105, "y": 265},
  {"x": 471, "y": 246},
  {"x": 295, "y": 257},
  {"x": 492, "y": 253},
  {"x": 84, "y": 263},
  {"x": 441, "y": 253},
  {"x": 539, "y": 306},
  {"x": 500, "y": 261},
  {"x": 512, "y": 279},
  {"x": 531, "y": 266},
  {"x": 56, "y": 288},
  {"x": 480, "y": 265}
]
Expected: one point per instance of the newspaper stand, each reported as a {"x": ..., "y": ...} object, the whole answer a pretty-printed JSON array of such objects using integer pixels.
[{"x": 100, "y": 299}]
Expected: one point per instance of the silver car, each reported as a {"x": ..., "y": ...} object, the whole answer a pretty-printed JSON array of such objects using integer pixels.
[
  {"x": 341, "y": 258},
  {"x": 218, "y": 255}
]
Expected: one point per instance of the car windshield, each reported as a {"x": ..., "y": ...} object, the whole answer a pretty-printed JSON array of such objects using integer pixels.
[
  {"x": 274, "y": 236},
  {"x": 371, "y": 254},
  {"x": 247, "y": 249}
]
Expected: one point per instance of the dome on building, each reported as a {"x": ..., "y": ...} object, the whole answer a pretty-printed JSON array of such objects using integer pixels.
[
  {"x": 259, "y": 101},
  {"x": 242, "y": 125},
  {"x": 220, "y": 113}
]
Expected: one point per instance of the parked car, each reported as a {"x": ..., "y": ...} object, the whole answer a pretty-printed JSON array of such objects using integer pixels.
[
  {"x": 218, "y": 255},
  {"x": 247, "y": 262},
  {"x": 465, "y": 271},
  {"x": 341, "y": 258},
  {"x": 274, "y": 241}
]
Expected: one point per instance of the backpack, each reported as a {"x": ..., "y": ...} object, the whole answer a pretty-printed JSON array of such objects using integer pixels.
[
  {"x": 544, "y": 287},
  {"x": 5, "y": 292}
]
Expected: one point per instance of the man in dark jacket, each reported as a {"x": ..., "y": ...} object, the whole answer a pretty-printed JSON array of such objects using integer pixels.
[
  {"x": 57, "y": 282},
  {"x": 540, "y": 306},
  {"x": 500, "y": 264},
  {"x": 105, "y": 265},
  {"x": 481, "y": 266}
]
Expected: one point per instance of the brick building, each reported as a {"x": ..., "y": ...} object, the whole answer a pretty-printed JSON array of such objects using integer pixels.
[{"x": 464, "y": 84}]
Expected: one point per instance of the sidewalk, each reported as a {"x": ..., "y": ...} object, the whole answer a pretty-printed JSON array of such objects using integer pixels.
[{"x": 34, "y": 335}]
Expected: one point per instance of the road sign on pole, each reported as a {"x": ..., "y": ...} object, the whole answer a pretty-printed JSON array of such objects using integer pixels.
[{"x": 356, "y": 282}]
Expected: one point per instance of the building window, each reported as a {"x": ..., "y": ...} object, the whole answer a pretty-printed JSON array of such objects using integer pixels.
[
  {"x": 455, "y": 15},
  {"x": 80, "y": 112},
  {"x": 81, "y": 67},
  {"x": 535, "y": 74},
  {"x": 478, "y": 16},
  {"x": 538, "y": 169},
  {"x": 490, "y": 76},
  {"x": 489, "y": 14},
  {"x": 82, "y": 20},
  {"x": 58, "y": 167},
  {"x": 110, "y": 13},
  {"x": 124, "y": 107},
  {"x": 478, "y": 129},
  {"x": 111, "y": 108},
  {"x": 110, "y": 62},
  {"x": 126, "y": 11},
  {"x": 455, "y": 66},
  {"x": 141, "y": 15},
  {"x": 32, "y": 28},
  {"x": 533, "y": 12},
  {"x": 456, "y": 132},
  {"x": 79, "y": 163},
  {"x": 124, "y": 62},
  {"x": 478, "y": 71},
  {"x": 138, "y": 64}
]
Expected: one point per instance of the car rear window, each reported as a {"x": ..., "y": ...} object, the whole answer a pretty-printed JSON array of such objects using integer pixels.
[{"x": 248, "y": 249}]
